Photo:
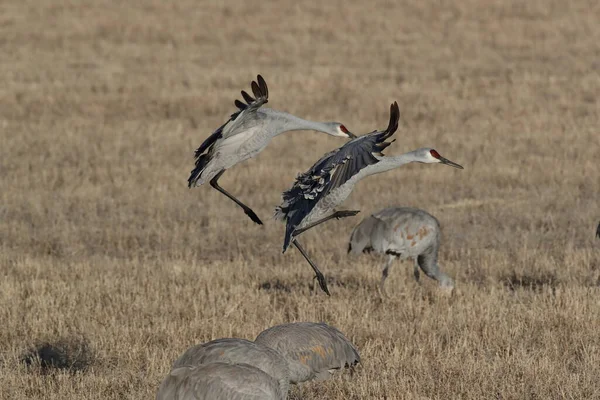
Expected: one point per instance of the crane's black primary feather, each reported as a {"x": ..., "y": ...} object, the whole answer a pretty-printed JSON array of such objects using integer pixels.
[
  {"x": 203, "y": 154},
  {"x": 249, "y": 99},
  {"x": 240, "y": 105},
  {"x": 330, "y": 172},
  {"x": 598, "y": 231},
  {"x": 263, "y": 86}
]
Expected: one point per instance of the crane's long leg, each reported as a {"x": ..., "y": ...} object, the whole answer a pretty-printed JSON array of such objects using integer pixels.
[
  {"x": 385, "y": 273},
  {"x": 417, "y": 272},
  {"x": 337, "y": 215},
  {"x": 247, "y": 210},
  {"x": 319, "y": 274}
]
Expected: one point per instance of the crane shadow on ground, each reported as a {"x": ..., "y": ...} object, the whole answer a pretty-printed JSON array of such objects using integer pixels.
[
  {"x": 68, "y": 354},
  {"x": 534, "y": 283},
  {"x": 347, "y": 282}
]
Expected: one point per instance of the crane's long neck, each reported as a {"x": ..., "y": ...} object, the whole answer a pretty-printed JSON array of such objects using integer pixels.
[
  {"x": 388, "y": 163},
  {"x": 428, "y": 262},
  {"x": 289, "y": 122}
]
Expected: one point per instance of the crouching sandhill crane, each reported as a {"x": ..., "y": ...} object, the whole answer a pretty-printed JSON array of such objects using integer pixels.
[
  {"x": 312, "y": 350},
  {"x": 402, "y": 232},
  {"x": 289, "y": 353},
  {"x": 219, "y": 381},
  {"x": 239, "y": 351},
  {"x": 248, "y": 131},
  {"x": 326, "y": 185}
]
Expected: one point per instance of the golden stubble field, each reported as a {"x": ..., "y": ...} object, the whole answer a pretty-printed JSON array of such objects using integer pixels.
[{"x": 103, "y": 103}]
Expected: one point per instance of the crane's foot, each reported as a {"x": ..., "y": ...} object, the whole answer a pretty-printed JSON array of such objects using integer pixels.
[
  {"x": 322, "y": 283},
  {"x": 253, "y": 216},
  {"x": 345, "y": 213}
]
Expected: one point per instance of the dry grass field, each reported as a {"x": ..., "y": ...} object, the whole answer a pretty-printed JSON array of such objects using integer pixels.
[{"x": 103, "y": 103}]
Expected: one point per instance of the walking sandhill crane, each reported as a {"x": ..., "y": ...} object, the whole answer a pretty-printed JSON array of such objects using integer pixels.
[
  {"x": 219, "y": 381},
  {"x": 247, "y": 132},
  {"x": 312, "y": 350},
  {"x": 402, "y": 232},
  {"x": 326, "y": 185},
  {"x": 239, "y": 351}
]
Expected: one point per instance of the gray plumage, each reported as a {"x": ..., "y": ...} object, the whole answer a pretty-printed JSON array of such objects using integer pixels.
[
  {"x": 402, "y": 232},
  {"x": 315, "y": 194},
  {"x": 330, "y": 173},
  {"x": 238, "y": 351},
  {"x": 219, "y": 381},
  {"x": 312, "y": 350},
  {"x": 247, "y": 132}
]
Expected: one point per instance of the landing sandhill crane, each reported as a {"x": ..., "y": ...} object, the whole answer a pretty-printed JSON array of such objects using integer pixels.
[
  {"x": 219, "y": 381},
  {"x": 316, "y": 193},
  {"x": 248, "y": 131},
  {"x": 402, "y": 232},
  {"x": 312, "y": 350},
  {"x": 239, "y": 351}
]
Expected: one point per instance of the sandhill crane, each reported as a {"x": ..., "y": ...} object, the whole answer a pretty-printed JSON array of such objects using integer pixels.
[
  {"x": 248, "y": 131},
  {"x": 312, "y": 350},
  {"x": 402, "y": 232},
  {"x": 219, "y": 381},
  {"x": 316, "y": 193},
  {"x": 238, "y": 351}
]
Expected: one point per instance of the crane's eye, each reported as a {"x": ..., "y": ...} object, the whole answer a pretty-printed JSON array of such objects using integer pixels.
[
  {"x": 343, "y": 129},
  {"x": 435, "y": 154}
]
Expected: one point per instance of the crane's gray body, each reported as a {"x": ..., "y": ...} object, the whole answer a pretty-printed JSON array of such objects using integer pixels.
[
  {"x": 328, "y": 204},
  {"x": 249, "y": 134},
  {"x": 219, "y": 381},
  {"x": 402, "y": 232},
  {"x": 238, "y": 351},
  {"x": 312, "y": 350},
  {"x": 317, "y": 192}
]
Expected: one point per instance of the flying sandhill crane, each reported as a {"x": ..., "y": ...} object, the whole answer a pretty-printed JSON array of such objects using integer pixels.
[
  {"x": 248, "y": 131},
  {"x": 316, "y": 193},
  {"x": 219, "y": 381},
  {"x": 402, "y": 232},
  {"x": 312, "y": 350},
  {"x": 238, "y": 351}
]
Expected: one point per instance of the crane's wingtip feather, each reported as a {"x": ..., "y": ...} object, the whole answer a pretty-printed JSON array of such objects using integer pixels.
[
  {"x": 263, "y": 87},
  {"x": 256, "y": 90},
  {"x": 240, "y": 105},
  {"x": 249, "y": 99}
]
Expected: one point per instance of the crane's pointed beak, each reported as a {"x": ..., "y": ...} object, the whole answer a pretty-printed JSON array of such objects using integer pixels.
[
  {"x": 450, "y": 163},
  {"x": 351, "y": 135}
]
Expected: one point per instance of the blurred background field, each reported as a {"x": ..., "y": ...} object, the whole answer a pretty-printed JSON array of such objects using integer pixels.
[{"x": 103, "y": 103}]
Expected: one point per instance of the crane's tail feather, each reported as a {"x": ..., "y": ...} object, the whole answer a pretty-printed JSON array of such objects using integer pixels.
[
  {"x": 196, "y": 173},
  {"x": 289, "y": 231}
]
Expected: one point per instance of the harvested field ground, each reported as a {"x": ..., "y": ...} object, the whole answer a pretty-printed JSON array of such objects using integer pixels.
[{"x": 103, "y": 103}]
